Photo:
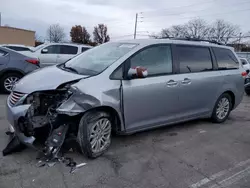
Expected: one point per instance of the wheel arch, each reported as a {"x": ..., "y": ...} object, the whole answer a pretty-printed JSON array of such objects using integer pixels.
[
  {"x": 116, "y": 119},
  {"x": 232, "y": 95},
  {"x": 12, "y": 70}
]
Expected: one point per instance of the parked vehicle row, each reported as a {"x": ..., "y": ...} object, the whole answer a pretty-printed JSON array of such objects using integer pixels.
[
  {"x": 55, "y": 53},
  {"x": 13, "y": 66},
  {"x": 127, "y": 87}
]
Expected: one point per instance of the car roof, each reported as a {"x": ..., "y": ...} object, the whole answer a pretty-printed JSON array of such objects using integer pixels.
[
  {"x": 69, "y": 44},
  {"x": 16, "y": 45},
  {"x": 147, "y": 42}
]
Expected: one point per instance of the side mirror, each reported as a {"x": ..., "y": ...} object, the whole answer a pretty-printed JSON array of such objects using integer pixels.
[
  {"x": 137, "y": 72},
  {"x": 44, "y": 51}
]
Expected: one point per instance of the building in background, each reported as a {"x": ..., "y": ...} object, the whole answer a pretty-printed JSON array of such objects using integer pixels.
[{"x": 11, "y": 35}]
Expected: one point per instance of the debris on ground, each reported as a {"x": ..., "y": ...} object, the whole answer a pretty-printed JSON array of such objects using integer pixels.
[{"x": 13, "y": 146}]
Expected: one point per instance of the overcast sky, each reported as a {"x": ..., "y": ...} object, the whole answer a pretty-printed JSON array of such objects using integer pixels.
[{"x": 119, "y": 15}]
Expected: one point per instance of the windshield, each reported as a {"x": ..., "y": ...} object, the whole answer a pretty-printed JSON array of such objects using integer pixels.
[
  {"x": 99, "y": 58},
  {"x": 38, "y": 47}
]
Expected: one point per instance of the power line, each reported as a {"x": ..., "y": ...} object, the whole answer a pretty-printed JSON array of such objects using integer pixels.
[
  {"x": 193, "y": 17},
  {"x": 193, "y": 11},
  {"x": 185, "y": 6}
]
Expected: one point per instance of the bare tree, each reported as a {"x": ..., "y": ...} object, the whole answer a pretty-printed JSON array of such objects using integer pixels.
[
  {"x": 55, "y": 33},
  {"x": 197, "y": 29},
  {"x": 100, "y": 34},
  {"x": 222, "y": 31}
]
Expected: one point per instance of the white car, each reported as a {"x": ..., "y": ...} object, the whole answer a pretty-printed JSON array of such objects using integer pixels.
[
  {"x": 245, "y": 64},
  {"x": 18, "y": 47},
  {"x": 54, "y": 53}
]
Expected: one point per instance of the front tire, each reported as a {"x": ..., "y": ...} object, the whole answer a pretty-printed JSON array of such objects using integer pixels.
[
  {"x": 8, "y": 81},
  {"x": 94, "y": 133},
  {"x": 222, "y": 108}
]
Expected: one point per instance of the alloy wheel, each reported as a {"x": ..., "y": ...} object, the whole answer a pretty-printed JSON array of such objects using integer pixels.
[
  {"x": 223, "y": 108},
  {"x": 100, "y": 135},
  {"x": 10, "y": 82}
]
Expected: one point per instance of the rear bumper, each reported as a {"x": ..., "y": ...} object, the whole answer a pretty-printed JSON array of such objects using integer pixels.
[{"x": 14, "y": 113}]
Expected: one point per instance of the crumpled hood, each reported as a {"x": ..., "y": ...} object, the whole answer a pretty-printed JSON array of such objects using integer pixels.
[{"x": 47, "y": 78}]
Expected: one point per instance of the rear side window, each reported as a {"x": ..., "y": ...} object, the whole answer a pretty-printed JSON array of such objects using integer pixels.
[
  {"x": 194, "y": 59},
  {"x": 65, "y": 49},
  {"x": 84, "y": 49},
  {"x": 225, "y": 59}
]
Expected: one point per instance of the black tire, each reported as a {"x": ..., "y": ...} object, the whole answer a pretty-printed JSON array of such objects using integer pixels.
[
  {"x": 215, "y": 117},
  {"x": 6, "y": 76},
  {"x": 86, "y": 124},
  {"x": 247, "y": 92}
]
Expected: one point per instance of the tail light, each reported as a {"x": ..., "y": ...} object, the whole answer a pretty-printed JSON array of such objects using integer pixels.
[{"x": 33, "y": 61}]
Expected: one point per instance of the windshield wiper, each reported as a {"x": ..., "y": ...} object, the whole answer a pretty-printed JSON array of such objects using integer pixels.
[{"x": 70, "y": 68}]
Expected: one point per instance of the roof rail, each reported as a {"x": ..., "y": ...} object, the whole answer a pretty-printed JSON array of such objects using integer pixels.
[{"x": 193, "y": 39}]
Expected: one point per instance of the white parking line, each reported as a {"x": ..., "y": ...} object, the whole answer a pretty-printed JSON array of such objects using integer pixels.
[
  {"x": 232, "y": 179},
  {"x": 221, "y": 173}
]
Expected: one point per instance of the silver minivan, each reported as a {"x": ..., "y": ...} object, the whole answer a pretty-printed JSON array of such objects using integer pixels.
[{"x": 126, "y": 87}]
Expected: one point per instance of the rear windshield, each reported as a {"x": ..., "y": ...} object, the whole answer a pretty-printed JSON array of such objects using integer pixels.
[{"x": 97, "y": 59}]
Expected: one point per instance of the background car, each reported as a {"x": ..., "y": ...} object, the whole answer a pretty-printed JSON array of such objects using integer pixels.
[
  {"x": 244, "y": 63},
  {"x": 13, "y": 66},
  {"x": 18, "y": 47},
  {"x": 54, "y": 53}
]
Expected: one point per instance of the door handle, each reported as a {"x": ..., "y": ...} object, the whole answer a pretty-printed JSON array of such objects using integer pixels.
[
  {"x": 186, "y": 81},
  {"x": 172, "y": 83}
]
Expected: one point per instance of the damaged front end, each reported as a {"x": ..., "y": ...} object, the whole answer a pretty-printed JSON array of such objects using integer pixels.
[{"x": 47, "y": 117}]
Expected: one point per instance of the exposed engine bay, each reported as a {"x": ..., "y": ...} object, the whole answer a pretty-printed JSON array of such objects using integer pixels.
[
  {"x": 55, "y": 132},
  {"x": 42, "y": 112}
]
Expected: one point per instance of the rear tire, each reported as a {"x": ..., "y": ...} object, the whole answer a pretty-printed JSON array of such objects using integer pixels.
[
  {"x": 94, "y": 133},
  {"x": 222, "y": 108},
  {"x": 8, "y": 80},
  {"x": 247, "y": 92}
]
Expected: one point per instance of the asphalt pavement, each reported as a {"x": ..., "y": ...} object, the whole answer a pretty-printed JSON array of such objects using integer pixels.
[{"x": 196, "y": 154}]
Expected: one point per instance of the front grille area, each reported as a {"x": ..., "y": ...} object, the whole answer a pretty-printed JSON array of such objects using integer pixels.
[{"x": 15, "y": 97}]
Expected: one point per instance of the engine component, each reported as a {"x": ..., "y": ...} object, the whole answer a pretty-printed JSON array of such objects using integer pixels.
[{"x": 55, "y": 142}]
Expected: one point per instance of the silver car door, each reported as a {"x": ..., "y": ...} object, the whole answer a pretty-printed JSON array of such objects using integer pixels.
[
  {"x": 48, "y": 55},
  {"x": 151, "y": 101},
  {"x": 199, "y": 82}
]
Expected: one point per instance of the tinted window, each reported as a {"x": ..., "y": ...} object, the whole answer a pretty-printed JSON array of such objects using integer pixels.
[
  {"x": 194, "y": 59},
  {"x": 2, "y": 53},
  {"x": 84, "y": 49},
  {"x": 157, "y": 60},
  {"x": 53, "y": 49},
  {"x": 65, "y": 49},
  {"x": 17, "y": 48},
  {"x": 225, "y": 59}
]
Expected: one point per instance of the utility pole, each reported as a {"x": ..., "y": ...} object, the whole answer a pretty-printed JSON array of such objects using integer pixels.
[
  {"x": 136, "y": 16},
  {"x": 0, "y": 19},
  {"x": 239, "y": 42}
]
